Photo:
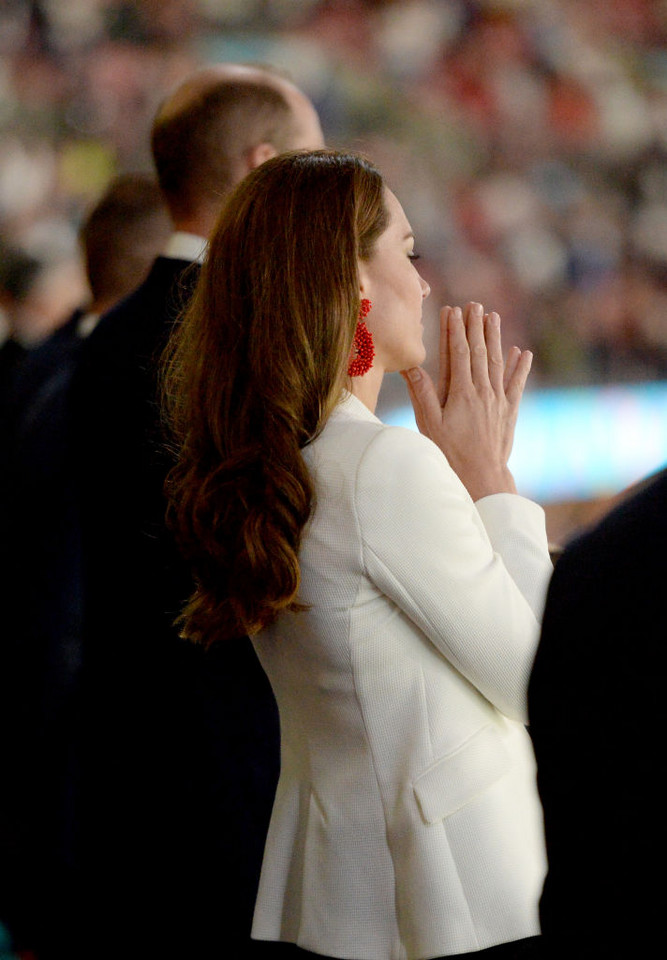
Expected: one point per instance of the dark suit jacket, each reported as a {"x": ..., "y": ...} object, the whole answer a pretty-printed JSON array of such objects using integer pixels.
[
  {"x": 175, "y": 752},
  {"x": 35, "y": 518},
  {"x": 596, "y": 704},
  {"x": 40, "y": 598}
]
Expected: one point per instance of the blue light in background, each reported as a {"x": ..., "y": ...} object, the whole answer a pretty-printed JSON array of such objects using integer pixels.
[{"x": 584, "y": 442}]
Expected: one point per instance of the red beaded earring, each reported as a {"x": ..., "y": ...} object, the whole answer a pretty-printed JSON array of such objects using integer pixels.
[{"x": 363, "y": 351}]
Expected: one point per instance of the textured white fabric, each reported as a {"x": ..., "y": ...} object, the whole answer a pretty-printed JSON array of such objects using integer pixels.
[{"x": 406, "y": 823}]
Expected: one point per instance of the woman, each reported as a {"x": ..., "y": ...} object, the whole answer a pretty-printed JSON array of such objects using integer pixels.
[{"x": 393, "y": 604}]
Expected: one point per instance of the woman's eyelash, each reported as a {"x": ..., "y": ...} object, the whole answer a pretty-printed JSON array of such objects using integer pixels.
[{"x": 413, "y": 256}]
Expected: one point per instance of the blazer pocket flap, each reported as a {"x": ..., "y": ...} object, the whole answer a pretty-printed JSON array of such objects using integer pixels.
[{"x": 456, "y": 779}]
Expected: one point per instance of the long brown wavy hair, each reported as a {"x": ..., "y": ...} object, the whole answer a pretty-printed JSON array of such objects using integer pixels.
[{"x": 252, "y": 373}]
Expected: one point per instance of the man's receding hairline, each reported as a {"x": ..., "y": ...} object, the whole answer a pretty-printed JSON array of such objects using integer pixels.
[{"x": 206, "y": 79}]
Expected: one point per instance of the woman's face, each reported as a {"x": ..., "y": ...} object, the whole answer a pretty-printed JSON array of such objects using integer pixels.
[{"x": 390, "y": 280}]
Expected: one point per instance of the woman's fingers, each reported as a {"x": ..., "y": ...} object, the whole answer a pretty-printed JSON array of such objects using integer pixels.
[
  {"x": 494, "y": 351},
  {"x": 471, "y": 361},
  {"x": 471, "y": 354},
  {"x": 472, "y": 414},
  {"x": 443, "y": 356},
  {"x": 424, "y": 399},
  {"x": 517, "y": 380},
  {"x": 460, "y": 377},
  {"x": 513, "y": 358},
  {"x": 484, "y": 354},
  {"x": 479, "y": 361}
]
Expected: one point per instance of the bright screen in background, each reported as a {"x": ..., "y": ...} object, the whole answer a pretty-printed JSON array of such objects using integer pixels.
[{"x": 584, "y": 442}]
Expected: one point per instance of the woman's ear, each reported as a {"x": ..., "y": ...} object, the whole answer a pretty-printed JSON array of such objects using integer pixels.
[{"x": 363, "y": 279}]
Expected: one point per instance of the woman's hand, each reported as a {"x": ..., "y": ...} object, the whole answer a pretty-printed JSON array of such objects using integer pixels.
[{"x": 472, "y": 414}]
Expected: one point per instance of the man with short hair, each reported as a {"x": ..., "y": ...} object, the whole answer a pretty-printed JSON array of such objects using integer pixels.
[
  {"x": 218, "y": 126},
  {"x": 179, "y": 751}
]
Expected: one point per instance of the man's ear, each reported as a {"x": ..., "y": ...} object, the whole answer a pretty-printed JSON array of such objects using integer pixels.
[{"x": 256, "y": 156}]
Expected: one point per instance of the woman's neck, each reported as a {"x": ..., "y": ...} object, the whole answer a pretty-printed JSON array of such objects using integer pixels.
[{"x": 367, "y": 388}]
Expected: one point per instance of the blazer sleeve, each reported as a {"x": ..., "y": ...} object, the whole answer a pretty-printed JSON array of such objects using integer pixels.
[{"x": 471, "y": 576}]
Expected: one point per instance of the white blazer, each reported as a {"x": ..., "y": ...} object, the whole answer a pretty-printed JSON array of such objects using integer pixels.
[{"x": 406, "y": 823}]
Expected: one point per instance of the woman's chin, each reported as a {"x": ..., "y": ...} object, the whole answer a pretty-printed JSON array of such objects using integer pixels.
[
  {"x": 418, "y": 359},
  {"x": 410, "y": 358}
]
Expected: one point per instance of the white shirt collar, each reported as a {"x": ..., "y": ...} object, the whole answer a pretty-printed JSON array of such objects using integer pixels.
[
  {"x": 185, "y": 246},
  {"x": 86, "y": 324}
]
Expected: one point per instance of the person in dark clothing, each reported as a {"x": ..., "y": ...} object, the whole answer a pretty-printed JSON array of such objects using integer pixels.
[
  {"x": 19, "y": 273},
  {"x": 119, "y": 239},
  {"x": 41, "y": 588},
  {"x": 179, "y": 750},
  {"x": 595, "y": 708}
]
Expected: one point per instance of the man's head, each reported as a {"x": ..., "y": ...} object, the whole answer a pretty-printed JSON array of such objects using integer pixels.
[
  {"x": 121, "y": 236},
  {"x": 216, "y": 127}
]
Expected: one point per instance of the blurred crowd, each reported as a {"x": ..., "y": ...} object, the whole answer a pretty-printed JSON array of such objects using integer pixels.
[{"x": 526, "y": 138}]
